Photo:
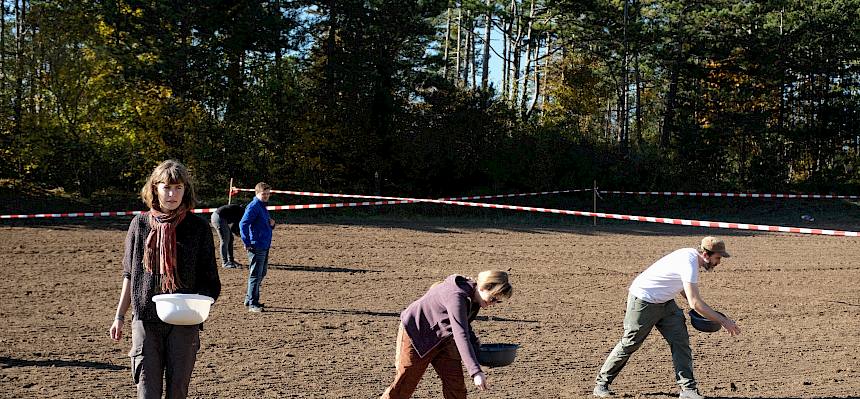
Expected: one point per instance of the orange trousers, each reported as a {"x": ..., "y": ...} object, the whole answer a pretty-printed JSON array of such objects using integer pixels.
[{"x": 410, "y": 368}]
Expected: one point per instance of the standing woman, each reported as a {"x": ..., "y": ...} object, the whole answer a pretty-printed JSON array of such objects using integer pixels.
[
  {"x": 167, "y": 250},
  {"x": 436, "y": 330}
]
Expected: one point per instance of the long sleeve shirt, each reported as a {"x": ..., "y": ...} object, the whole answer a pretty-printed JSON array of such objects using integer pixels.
[
  {"x": 254, "y": 227},
  {"x": 231, "y": 214},
  {"x": 446, "y": 310},
  {"x": 196, "y": 270}
]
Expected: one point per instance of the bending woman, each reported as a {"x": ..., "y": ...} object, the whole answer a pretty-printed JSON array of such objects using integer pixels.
[
  {"x": 167, "y": 250},
  {"x": 436, "y": 330}
]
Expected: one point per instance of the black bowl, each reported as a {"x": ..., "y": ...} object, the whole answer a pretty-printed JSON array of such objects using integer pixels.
[
  {"x": 702, "y": 323},
  {"x": 497, "y": 355}
]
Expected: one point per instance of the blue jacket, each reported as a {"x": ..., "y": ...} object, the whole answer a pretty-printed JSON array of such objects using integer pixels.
[{"x": 254, "y": 226}]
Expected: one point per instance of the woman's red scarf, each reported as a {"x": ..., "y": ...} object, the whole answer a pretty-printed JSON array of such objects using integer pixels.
[{"x": 162, "y": 238}]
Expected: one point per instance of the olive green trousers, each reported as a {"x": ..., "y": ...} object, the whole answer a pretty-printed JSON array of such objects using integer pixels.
[{"x": 640, "y": 318}]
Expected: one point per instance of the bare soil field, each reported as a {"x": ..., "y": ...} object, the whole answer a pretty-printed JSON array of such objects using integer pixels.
[{"x": 335, "y": 289}]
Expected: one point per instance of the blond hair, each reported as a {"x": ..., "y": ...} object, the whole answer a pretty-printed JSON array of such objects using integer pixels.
[
  {"x": 496, "y": 283},
  {"x": 169, "y": 172},
  {"x": 261, "y": 186}
]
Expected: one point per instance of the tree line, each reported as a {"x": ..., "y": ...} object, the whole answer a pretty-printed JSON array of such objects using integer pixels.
[{"x": 398, "y": 97}]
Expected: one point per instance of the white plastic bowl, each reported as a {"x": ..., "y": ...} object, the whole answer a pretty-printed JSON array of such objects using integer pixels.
[{"x": 182, "y": 309}]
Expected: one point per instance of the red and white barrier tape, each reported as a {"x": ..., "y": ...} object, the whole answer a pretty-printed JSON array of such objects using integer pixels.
[
  {"x": 337, "y": 205},
  {"x": 87, "y": 214},
  {"x": 313, "y": 194},
  {"x": 648, "y": 219},
  {"x": 235, "y": 190},
  {"x": 401, "y": 200},
  {"x": 737, "y": 195},
  {"x": 69, "y": 215}
]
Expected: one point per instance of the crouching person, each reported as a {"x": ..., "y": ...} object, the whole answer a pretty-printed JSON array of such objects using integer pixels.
[{"x": 436, "y": 330}]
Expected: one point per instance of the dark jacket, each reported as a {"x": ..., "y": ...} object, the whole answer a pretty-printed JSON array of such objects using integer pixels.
[
  {"x": 446, "y": 310},
  {"x": 254, "y": 227},
  {"x": 196, "y": 270},
  {"x": 231, "y": 214}
]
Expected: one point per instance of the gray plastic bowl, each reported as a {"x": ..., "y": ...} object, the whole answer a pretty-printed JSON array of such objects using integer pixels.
[
  {"x": 497, "y": 355},
  {"x": 702, "y": 323}
]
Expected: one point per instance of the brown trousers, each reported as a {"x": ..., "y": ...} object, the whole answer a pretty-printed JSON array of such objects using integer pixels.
[
  {"x": 163, "y": 355},
  {"x": 410, "y": 368}
]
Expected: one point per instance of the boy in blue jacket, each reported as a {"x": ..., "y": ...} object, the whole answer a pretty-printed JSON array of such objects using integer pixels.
[{"x": 256, "y": 232}]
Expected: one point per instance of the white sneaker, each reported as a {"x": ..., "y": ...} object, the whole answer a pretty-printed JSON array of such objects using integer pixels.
[
  {"x": 690, "y": 394},
  {"x": 602, "y": 391}
]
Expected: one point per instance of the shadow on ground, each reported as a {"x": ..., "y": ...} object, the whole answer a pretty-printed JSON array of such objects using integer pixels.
[
  {"x": 320, "y": 269},
  {"x": 10, "y": 362}
]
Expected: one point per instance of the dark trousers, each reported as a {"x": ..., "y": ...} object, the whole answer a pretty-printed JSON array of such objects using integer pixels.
[
  {"x": 163, "y": 353},
  {"x": 410, "y": 368},
  {"x": 225, "y": 237}
]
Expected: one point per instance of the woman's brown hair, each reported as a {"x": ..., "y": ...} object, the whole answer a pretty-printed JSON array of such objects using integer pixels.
[{"x": 170, "y": 172}]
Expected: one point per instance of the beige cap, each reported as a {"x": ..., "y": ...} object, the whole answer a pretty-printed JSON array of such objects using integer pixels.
[{"x": 714, "y": 244}]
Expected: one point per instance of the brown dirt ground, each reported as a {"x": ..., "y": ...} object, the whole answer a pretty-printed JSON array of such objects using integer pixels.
[{"x": 334, "y": 292}]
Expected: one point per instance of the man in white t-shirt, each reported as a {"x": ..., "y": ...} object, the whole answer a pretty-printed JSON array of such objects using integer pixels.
[{"x": 651, "y": 303}]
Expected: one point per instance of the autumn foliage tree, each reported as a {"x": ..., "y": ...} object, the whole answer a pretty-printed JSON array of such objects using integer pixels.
[{"x": 432, "y": 97}]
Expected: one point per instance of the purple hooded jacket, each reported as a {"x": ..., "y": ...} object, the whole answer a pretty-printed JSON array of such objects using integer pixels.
[{"x": 446, "y": 310}]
